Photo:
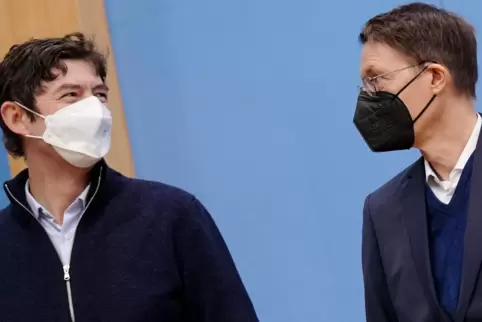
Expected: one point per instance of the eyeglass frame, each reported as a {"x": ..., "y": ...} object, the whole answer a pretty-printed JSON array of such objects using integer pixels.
[{"x": 367, "y": 79}]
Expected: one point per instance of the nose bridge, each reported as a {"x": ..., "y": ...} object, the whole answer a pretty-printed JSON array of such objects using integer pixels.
[{"x": 87, "y": 90}]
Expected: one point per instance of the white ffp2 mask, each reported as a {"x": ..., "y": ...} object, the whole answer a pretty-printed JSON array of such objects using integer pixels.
[{"x": 80, "y": 132}]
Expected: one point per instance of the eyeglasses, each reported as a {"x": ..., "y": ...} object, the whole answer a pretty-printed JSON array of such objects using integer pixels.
[{"x": 369, "y": 84}]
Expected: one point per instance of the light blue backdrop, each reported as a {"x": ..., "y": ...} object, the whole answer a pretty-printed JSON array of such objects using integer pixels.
[
  {"x": 249, "y": 104},
  {"x": 4, "y": 174}
]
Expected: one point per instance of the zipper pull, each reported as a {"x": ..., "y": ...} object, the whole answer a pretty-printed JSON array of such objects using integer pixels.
[{"x": 66, "y": 273}]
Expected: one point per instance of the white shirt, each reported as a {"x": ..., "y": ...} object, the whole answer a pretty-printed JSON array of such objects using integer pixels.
[
  {"x": 62, "y": 236},
  {"x": 444, "y": 189}
]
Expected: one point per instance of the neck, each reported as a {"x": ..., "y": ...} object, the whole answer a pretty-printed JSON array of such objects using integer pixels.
[
  {"x": 55, "y": 185},
  {"x": 447, "y": 137}
]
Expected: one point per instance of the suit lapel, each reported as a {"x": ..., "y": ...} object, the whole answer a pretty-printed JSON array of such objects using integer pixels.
[
  {"x": 473, "y": 241},
  {"x": 415, "y": 221}
]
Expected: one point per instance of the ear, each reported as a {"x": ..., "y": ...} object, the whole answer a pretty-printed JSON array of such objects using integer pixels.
[
  {"x": 440, "y": 77},
  {"x": 14, "y": 117}
]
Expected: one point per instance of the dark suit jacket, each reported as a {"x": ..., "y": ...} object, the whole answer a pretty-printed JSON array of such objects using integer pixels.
[{"x": 395, "y": 254}]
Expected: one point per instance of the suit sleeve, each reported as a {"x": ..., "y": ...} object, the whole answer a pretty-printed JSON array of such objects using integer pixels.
[
  {"x": 213, "y": 290},
  {"x": 378, "y": 305}
]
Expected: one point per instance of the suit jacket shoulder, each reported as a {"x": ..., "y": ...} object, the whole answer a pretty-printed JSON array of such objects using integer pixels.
[{"x": 383, "y": 197}]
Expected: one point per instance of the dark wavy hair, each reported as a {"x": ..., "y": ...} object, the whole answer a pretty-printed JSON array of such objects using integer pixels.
[{"x": 28, "y": 66}]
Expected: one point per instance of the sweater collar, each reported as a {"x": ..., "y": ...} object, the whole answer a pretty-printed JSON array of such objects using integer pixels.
[{"x": 15, "y": 187}]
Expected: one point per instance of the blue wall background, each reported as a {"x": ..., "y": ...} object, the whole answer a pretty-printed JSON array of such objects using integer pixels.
[
  {"x": 4, "y": 174},
  {"x": 248, "y": 104}
]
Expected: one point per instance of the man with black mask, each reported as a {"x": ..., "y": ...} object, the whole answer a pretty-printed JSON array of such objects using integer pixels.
[{"x": 422, "y": 230}]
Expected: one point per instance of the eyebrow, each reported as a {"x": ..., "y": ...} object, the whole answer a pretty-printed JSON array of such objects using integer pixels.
[
  {"x": 76, "y": 87},
  {"x": 369, "y": 72},
  {"x": 102, "y": 87}
]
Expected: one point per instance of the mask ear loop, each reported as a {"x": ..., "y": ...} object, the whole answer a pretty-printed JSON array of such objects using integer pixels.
[
  {"x": 424, "y": 109},
  {"x": 408, "y": 84},
  {"x": 35, "y": 113},
  {"x": 411, "y": 81}
]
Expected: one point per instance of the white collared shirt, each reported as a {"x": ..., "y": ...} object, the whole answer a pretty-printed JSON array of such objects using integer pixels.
[
  {"x": 62, "y": 236},
  {"x": 444, "y": 189}
]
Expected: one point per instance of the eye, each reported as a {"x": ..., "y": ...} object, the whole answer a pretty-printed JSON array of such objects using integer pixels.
[
  {"x": 377, "y": 81},
  {"x": 101, "y": 96},
  {"x": 69, "y": 94}
]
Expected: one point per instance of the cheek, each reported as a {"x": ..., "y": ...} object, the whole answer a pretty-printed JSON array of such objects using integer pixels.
[
  {"x": 415, "y": 100},
  {"x": 37, "y": 127}
]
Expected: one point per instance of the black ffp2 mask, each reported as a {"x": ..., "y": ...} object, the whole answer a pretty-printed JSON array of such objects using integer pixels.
[{"x": 384, "y": 121}]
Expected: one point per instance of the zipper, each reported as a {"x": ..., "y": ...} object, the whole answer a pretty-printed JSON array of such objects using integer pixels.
[
  {"x": 69, "y": 291},
  {"x": 65, "y": 268}
]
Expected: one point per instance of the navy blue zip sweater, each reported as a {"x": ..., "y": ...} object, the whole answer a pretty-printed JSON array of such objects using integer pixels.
[{"x": 143, "y": 251}]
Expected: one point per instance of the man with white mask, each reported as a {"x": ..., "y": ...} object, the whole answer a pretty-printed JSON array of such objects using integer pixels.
[{"x": 81, "y": 242}]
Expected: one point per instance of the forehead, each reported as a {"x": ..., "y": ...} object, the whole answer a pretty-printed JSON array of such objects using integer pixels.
[
  {"x": 78, "y": 72},
  {"x": 378, "y": 58}
]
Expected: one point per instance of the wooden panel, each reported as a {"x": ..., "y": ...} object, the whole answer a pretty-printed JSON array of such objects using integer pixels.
[{"x": 21, "y": 20}]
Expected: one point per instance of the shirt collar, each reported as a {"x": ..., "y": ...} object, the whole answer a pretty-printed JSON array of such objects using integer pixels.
[
  {"x": 35, "y": 206},
  {"x": 464, "y": 157}
]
